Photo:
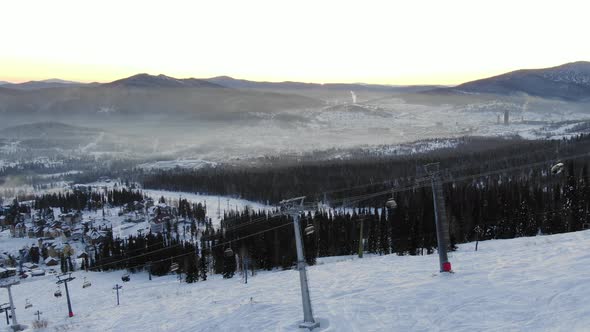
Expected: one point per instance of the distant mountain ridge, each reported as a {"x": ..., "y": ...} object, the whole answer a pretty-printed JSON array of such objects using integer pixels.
[
  {"x": 145, "y": 80},
  {"x": 570, "y": 81},
  {"x": 161, "y": 81},
  {"x": 231, "y": 82},
  {"x": 43, "y": 84},
  {"x": 45, "y": 129}
]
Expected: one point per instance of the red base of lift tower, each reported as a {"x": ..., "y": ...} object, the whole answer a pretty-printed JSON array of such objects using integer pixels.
[{"x": 446, "y": 267}]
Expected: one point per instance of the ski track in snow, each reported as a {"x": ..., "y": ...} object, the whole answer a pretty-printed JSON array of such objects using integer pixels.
[{"x": 526, "y": 284}]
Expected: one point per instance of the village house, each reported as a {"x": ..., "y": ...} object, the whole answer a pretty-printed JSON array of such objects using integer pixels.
[
  {"x": 71, "y": 218},
  {"x": 94, "y": 236},
  {"x": 77, "y": 235},
  {"x": 51, "y": 261},
  {"x": 52, "y": 232},
  {"x": 7, "y": 272},
  {"x": 30, "y": 266}
]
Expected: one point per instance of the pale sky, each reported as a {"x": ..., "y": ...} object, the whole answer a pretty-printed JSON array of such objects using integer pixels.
[{"x": 392, "y": 42}]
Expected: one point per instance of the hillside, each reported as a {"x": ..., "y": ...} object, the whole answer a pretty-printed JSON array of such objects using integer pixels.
[
  {"x": 570, "y": 81},
  {"x": 131, "y": 98},
  {"x": 526, "y": 284},
  {"x": 46, "y": 129}
]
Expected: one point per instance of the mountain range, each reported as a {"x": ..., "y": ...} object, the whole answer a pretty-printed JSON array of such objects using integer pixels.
[
  {"x": 224, "y": 98},
  {"x": 144, "y": 80},
  {"x": 161, "y": 81},
  {"x": 570, "y": 81},
  {"x": 43, "y": 84}
]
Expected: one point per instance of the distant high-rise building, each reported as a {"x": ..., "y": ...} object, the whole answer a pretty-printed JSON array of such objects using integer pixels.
[{"x": 506, "y": 117}]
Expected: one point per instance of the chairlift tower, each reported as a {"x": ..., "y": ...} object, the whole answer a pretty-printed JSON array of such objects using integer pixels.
[
  {"x": 440, "y": 216},
  {"x": 38, "y": 314},
  {"x": 294, "y": 207},
  {"x": 4, "y": 309},
  {"x": 8, "y": 284},
  {"x": 65, "y": 282},
  {"x": 116, "y": 288}
]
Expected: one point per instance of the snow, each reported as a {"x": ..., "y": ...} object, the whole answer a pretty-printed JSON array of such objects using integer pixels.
[
  {"x": 526, "y": 284},
  {"x": 226, "y": 204},
  {"x": 11, "y": 245},
  {"x": 212, "y": 202},
  {"x": 179, "y": 163},
  {"x": 58, "y": 175}
]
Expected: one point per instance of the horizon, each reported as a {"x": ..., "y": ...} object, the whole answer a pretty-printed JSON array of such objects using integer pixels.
[
  {"x": 271, "y": 81},
  {"x": 401, "y": 43}
]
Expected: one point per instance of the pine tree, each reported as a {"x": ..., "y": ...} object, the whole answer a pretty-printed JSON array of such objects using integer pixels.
[
  {"x": 63, "y": 265},
  {"x": 229, "y": 266},
  {"x": 34, "y": 254},
  {"x": 203, "y": 267},
  {"x": 192, "y": 272}
]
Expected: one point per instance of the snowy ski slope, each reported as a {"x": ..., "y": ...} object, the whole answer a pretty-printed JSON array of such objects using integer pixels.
[{"x": 526, "y": 284}]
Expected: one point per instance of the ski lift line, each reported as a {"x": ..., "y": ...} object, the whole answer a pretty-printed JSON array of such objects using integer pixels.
[
  {"x": 270, "y": 229},
  {"x": 190, "y": 253},
  {"x": 357, "y": 199},
  {"x": 266, "y": 218},
  {"x": 249, "y": 222},
  {"x": 141, "y": 255},
  {"x": 140, "y": 249},
  {"x": 415, "y": 184},
  {"x": 161, "y": 249},
  {"x": 261, "y": 219},
  {"x": 250, "y": 235},
  {"x": 128, "y": 258},
  {"x": 516, "y": 168},
  {"x": 457, "y": 168},
  {"x": 306, "y": 206},
  {"x": 516, "y": 218},
  {"x": 454, "y": 169},
  {"x": 369, "y": 184},
  {"x": 216, "y": 245},
  {"x": 254, "y": 221}
]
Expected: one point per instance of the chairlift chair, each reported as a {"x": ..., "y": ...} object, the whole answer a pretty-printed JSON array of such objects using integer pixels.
[
  {"x": 309, "y": 229},
  {"x": 86, "y": 283},
  {"x": 228, "y": 252},
  {"x": 586, "y": 225},
  {"x": 28, "y": 304},
  {"x": 57, "y": 292},
  {"x": 174, "y": 267},
  {"x": 557, "y": 168},
  {"x": 391, "y": 204},
  {"x": 125, "y": 277}
]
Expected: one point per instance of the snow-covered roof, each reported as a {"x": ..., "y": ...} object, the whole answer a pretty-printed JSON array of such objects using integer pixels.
[{"x": 50, "y": 259}]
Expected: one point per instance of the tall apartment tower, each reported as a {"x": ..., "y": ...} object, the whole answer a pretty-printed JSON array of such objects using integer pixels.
[{"x": 506, "y": 117}]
